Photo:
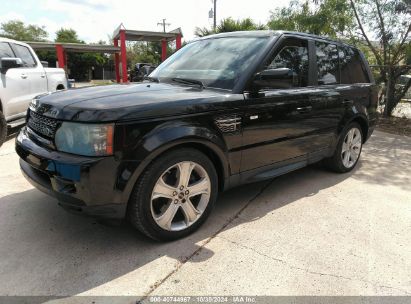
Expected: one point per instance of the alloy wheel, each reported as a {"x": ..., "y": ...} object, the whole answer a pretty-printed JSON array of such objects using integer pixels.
[
  {"x": 351, "y": 147},
  {"x": 180, "y": 196}
]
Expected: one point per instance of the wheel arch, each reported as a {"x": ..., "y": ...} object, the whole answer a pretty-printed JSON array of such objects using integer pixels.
[
  {"x": 364, "y": 126},
  {"x": 360, "y": 118},
  {"x": 210, "y": 151},
  {"x": 200, "y": 138}
]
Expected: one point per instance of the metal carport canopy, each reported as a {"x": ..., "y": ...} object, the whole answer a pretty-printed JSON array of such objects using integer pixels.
[
  {"x": 76, "y": 47},
  {"x": 121, "y": 35},
  {"x": 132, "y": 35}
]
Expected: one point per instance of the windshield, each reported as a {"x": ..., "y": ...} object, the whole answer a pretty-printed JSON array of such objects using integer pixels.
[{"x": 217, "y": 62}]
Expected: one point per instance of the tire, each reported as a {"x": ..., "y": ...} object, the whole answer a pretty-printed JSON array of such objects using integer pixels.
[
  {"x": 338, "y": 162},
  {"x": 148, "y": 209},
  {"x": 3, "y": 129}
]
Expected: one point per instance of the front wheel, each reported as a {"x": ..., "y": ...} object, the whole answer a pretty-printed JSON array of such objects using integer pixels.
[
  {"x": 348, "y": 149},
  {"x": 3, "y": 128},
  {"x": 174, "y": 195}
]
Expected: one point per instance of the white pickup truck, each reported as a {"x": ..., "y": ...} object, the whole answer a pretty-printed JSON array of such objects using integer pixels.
[{"x": 22, "y": 78}]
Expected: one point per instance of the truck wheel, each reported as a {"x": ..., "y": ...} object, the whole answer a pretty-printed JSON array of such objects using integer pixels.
[
  {"x": 174, "y": 195},
  {"x": 3, "y": 128},
  {"x": 348, "y": 149}
]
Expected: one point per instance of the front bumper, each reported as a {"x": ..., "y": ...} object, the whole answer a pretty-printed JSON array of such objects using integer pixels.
[{"x": 83, "y": 185}]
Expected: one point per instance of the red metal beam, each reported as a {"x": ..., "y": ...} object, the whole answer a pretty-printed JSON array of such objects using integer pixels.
[
  {"x": 178, "y": 42},
  {"x": 117, "y": 62},
  {"x": 163, "y": 50},
  {"x": 123, "y": 55},
  {"x": 61, "y": 56}
]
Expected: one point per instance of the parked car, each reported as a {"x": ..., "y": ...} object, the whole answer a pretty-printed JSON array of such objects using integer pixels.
[
  {"x": 225, "y": 110},
  {"x": 402, "y": 83},
  {"x": 22, "y": 78},
  {"x": 141, "y": 70}
]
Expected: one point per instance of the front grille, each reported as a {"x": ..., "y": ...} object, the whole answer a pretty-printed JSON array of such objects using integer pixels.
[{"x": 42, "y": 125}]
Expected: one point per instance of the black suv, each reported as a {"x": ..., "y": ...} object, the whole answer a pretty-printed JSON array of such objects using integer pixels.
[
  {"x": 225, "y": 110},
  {"x": 141, "y": 70}
]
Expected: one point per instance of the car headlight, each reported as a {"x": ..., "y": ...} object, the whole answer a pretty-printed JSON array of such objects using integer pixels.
[{"x": 85, "y": 139}]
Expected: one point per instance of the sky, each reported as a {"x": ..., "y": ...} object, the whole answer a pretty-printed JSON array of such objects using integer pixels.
[{"x": 96, "y": 20}]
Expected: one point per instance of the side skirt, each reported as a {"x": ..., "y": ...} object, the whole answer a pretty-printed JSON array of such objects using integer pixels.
[{"x": 277, "y": 169}]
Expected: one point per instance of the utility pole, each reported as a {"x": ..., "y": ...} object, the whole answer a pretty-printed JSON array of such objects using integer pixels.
[
  {"x": 215, "y": 14},
  {"x": 163, "y": 24}
]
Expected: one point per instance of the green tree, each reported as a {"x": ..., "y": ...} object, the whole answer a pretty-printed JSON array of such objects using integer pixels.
[
  {"x": 329, "y": 18},
  {"x": 149, "y": 52},
  {"x": 230, "y": 25},
  {"x": 17, "y": 30},
  {"x": 68, "y": 36},
  {"x": 384, "y": 26}
]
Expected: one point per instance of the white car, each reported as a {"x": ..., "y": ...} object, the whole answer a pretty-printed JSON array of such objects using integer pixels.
[{"x": 22, "y": 78}]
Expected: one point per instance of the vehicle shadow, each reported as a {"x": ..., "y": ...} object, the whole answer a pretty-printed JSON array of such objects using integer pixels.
[{"x": 46, "y": 251}]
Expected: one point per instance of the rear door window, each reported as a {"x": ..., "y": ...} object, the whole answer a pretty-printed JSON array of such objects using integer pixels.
[
  {"x": 327, "y": 63},
  {"x": 352, "y": 66},
  {"x": 5, "y": 50}
]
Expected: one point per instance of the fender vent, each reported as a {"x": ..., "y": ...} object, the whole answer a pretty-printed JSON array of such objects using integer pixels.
[{"x": 229, "y": 123}]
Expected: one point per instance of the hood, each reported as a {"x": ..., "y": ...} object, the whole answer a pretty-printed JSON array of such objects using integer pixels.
[{"x": 130, "y": 102}]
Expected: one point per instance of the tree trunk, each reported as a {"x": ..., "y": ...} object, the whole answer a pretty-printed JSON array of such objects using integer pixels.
[{"x": 390, "y": 100}]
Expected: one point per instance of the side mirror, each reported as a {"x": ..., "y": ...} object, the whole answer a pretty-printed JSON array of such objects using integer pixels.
[
  {"x": 273, "y": 74},
  {"x": 7, "y": 63},
  {"x": 280, "y": 78}
]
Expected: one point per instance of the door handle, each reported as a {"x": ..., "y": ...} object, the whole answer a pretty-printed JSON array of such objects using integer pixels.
[
  {"x": 253, "y": 117},
  {"x": 304, "y": 109},
  {"x": 43, "y": 76},
  {"x": 24, "y": 76}
]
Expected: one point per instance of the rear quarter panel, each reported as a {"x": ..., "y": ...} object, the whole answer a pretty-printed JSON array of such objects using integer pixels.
[{"x": 55, "y": 77}]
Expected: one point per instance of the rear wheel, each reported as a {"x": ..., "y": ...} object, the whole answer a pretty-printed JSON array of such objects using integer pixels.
[
  {"x": 348, "y": 149},
  {"x": 174, "y": 195},
  {"x": 3, "y": 128}
]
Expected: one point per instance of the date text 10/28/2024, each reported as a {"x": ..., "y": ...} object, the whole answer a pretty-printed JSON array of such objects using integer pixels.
[{"x": 202, "y": 299}]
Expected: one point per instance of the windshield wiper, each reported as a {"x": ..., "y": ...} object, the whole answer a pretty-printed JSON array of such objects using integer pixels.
[
  {"x": 189, "y": 81},
  {"x": 152, "y": 79}
]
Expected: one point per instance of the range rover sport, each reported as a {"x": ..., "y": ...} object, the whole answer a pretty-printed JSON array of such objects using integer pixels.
[{"x": 225, "y": 110}]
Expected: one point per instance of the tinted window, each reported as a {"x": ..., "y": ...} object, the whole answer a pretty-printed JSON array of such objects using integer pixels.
[
  {"x": 352, "y": 67},
  {"x": 25, "y": 55},
  {"x": 5, "y": 50},
  {"x": 216, "y": 62},
  {"x": 294, "y": 58},
  {"x": 327, "y": 61}
]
